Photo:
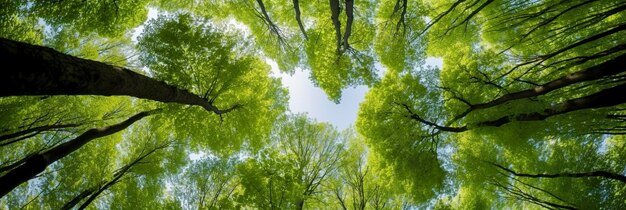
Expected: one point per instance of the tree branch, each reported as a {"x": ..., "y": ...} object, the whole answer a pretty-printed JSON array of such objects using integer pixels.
[
  {"x": 603, "y": 174},
  {"x": 296, "y": 8},
  {"x": 608, "y": 68}
]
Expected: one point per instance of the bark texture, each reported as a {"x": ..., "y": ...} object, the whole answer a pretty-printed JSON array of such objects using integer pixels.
[{"x": 37, "y": 70}]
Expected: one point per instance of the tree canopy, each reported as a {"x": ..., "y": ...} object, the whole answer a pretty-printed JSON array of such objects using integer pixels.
[{"x": 105, "y": 106}]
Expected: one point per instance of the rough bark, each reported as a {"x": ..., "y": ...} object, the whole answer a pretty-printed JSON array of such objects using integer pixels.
[
  {"x": 39, "y": 162},
  {"x": 37, "y": 70}
]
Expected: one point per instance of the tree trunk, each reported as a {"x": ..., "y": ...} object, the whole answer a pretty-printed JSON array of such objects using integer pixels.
[
  {"x": 299, "y": 204},
  {"x": 39, "y": 162},
  {"x": 335, "y": 10},
  {"x": 8, "y": 138},
  {"x": 37, "y": 70},
  {"x": 604, "y": 98},
  {"x": 608, "y": 68},
  {"x": 349, "y": 20},
  {"x": 296, "y": 8},
  {"x": 70, "y": 204},
  {"x": 603, "y": 174}
]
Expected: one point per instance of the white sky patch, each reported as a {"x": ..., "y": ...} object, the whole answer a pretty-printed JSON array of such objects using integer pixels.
[
  {"x": 152, "y": 14},
  {"x": 432, "y": 61},
  {"x": 197, "y": 156},
  {"x": 304, "y": 97}
]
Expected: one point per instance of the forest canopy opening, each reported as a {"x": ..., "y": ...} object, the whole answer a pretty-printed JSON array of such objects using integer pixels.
[{"x": 526, "y": 110}]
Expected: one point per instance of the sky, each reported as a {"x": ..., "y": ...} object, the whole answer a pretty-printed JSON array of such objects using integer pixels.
[{"x": 304, "y": 97}]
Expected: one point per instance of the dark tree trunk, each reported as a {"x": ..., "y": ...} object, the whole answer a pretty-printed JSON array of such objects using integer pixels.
[
  {"x": 24, "y": 134},
  {"x": 296, "y": 8},
  {"x": 37, "y": 70},
  {"x": 604, "y": 98},
  {"x": 603, "y": 174},
  {"x": 39, "y": 162},
  {"x": 608, "y": 68},
  {"x": 272, "y": 26},
  {"x": 334, "y": 9},
  {"x": 349, "y": 20},
  {"x": 70, "y": 204}
]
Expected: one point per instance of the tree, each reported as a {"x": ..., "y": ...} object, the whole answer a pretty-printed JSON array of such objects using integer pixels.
[
  {"x": 526, "y": 110},
  {"x": 262, "y": 95},
  {"x": 208, "y": 182},
  {"x": 48, "y": 72},
  {"x": 290, "y": 172},
  {"x": 90, "y": 194},
  {"x": 361, "y": 182},
  {"x": 37, "y": 163},
  {"x": 521, "y": 73}
]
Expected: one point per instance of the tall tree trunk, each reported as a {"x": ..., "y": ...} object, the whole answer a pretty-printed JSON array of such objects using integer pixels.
[
  {"x": 349, "y": 20},
  {"x": 272, "y": 26},
  {"x": 70, "y": 204},
  {"x": 334, "y": 9},
  {"x": 296, "y": 7},
  {"x": 604, "y": 98},
  {"x": 39, "y": 162},
  {"x": 603, "y": 174},
  {"x": 13, "y": 137},
  {"x": 608, "y": 68},
  {"x": 37, "y": 70}
]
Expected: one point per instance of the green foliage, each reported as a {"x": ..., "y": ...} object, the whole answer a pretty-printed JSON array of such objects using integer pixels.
[
  {"x": 505, "y": 123},
  {"x": 105, "y": 18},
  {"x": 189, "y": 53}
]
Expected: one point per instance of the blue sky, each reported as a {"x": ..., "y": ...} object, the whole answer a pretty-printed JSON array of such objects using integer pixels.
[{"x": 304, "y": 97}]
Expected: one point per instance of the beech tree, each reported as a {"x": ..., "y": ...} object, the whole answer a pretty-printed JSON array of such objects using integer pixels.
[{"x": 481, "y": 104}]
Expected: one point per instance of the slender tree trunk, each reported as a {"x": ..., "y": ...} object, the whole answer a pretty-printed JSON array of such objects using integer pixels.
[
  {"x": 334, "y": 9},
  {"x": 39, "y": 162},
  {"x": 604, "y": 98},
  {"x": 603, "y": 174},
  {"x": 434, "y": 21},
  {"x": 608, "y": 68},
  {"x": 299, "y": 204},
  {"x": 70, "y": 204},
  {"x": 273, "y": 27},
  {"x": 104, "y": 187},
  {"x": 37, "y": 70},
  {"x": 401, "y": 20},
  {"x": 349, "y": 20},
  {"x": 296, "y": 7},
  {"x": 21, "y": 135}
]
